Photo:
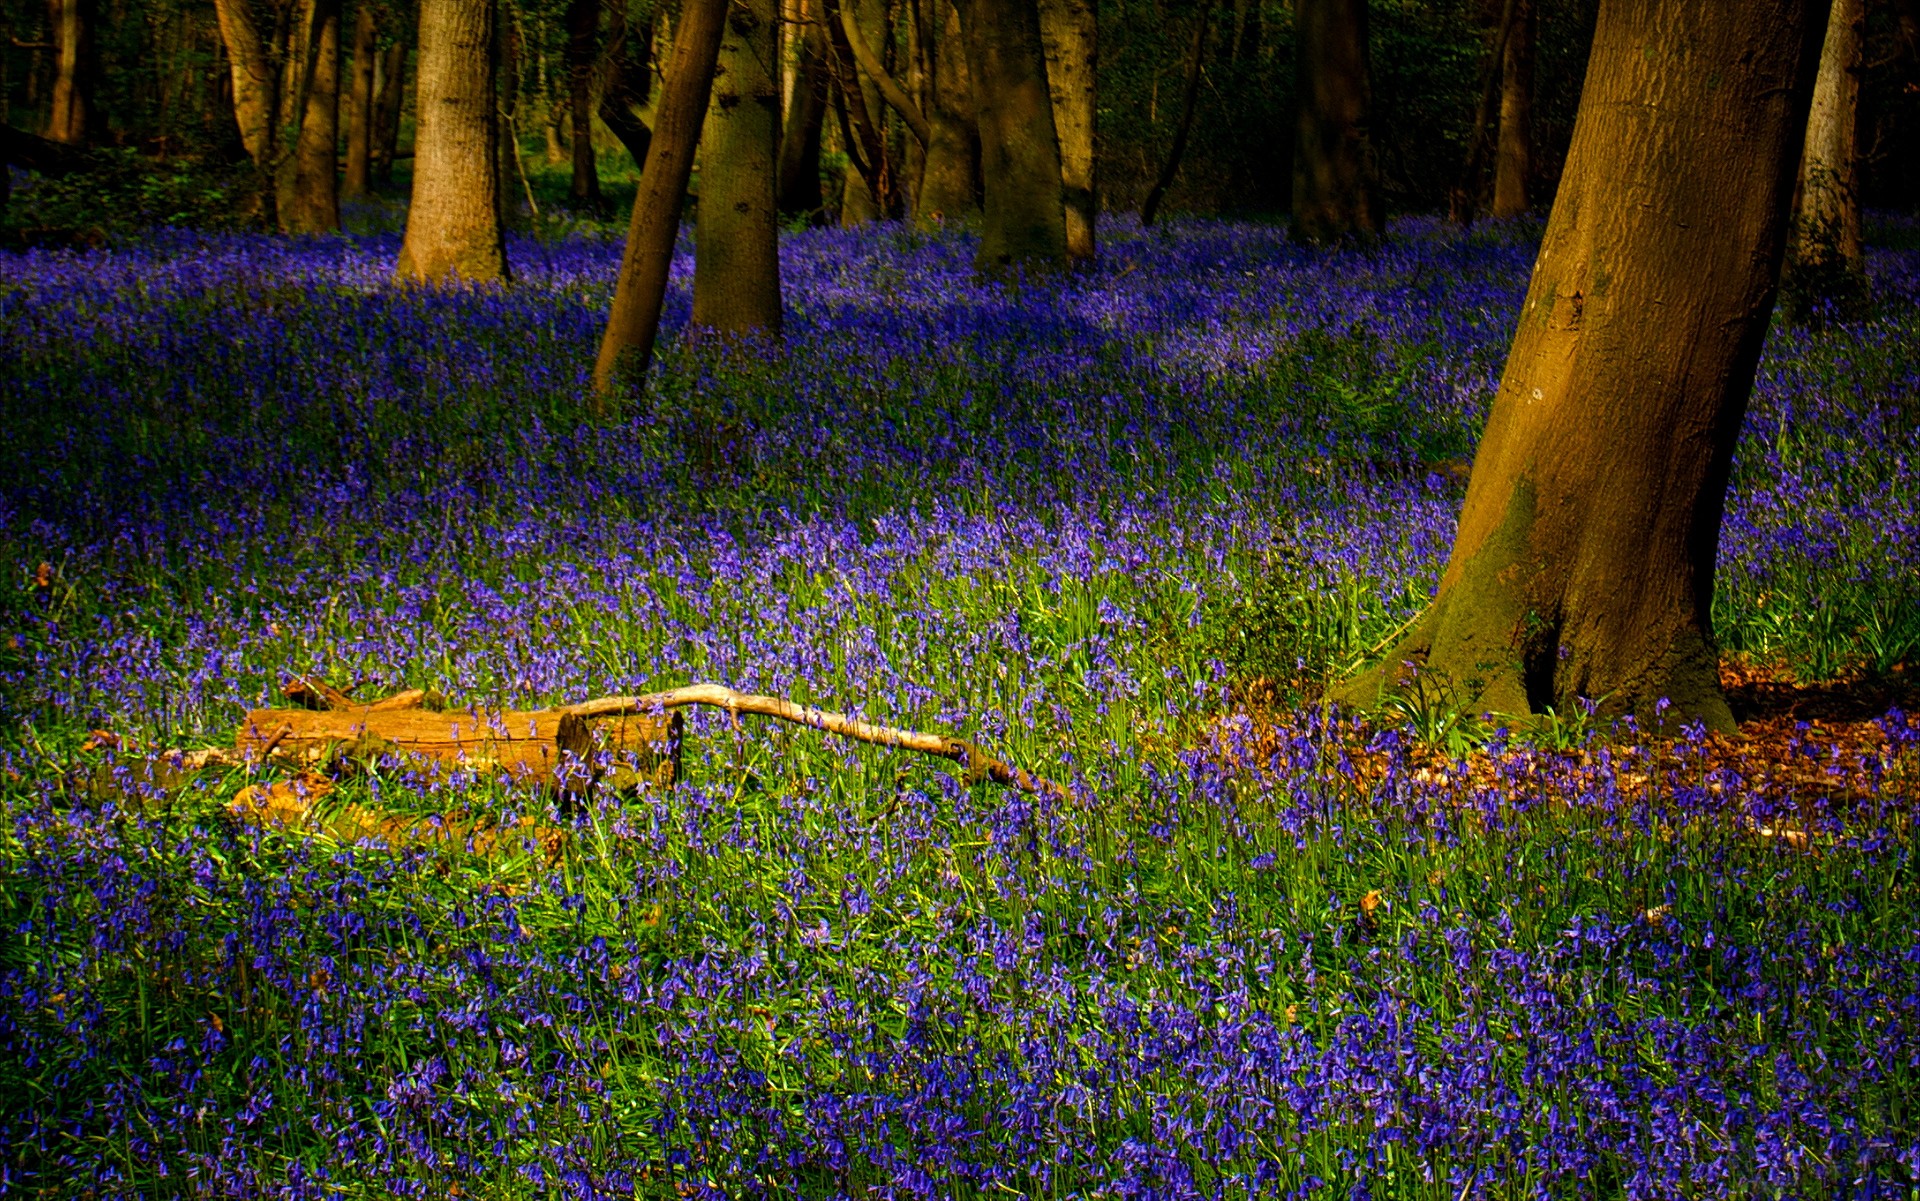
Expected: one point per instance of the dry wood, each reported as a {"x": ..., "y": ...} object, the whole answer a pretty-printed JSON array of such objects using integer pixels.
[{"x": 957, "y": 749}]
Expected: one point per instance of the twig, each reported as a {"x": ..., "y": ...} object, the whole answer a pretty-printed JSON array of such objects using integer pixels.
[{"x": 719, "y": 696}]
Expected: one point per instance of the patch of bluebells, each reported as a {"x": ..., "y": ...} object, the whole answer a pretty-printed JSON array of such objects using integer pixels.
[{"x": 813, "y": 969}]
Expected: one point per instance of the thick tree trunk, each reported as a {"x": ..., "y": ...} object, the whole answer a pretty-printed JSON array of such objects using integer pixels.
[
  {"x": 310, "y": 195},
  {"x": 799, "y": 179},
  {"x": 950, "y": 182},
  {"x": 1071, "y": 32},
  {"x": 359, "y": 173},
  {"x": 583, "y": 49},
  {"x": 1024, "y": 218},
  {"x": 390, "y": 92},
  {"x": 1583, "y": 563},
  {"x": 1513, "y": 159},
  {"x": 1826, "y": 230},
  {"x": 627, "y": 346},
  {"x": 453, "y": 225},
  {"x": 736, "y": 261},
  {"x": 1336, "y": 186},
  {"x": 256, "y": 83},
  {"x": 629, "y": 83},
  {"x": 74, "y": 119}
]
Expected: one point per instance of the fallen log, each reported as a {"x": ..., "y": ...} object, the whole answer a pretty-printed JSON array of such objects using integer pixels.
[
  {"x": 541, "y": 746},
  {"x": 967, "y": 754}
]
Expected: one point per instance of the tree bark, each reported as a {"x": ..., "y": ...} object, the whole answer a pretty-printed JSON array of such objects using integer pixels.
[
  {"x": 583, "y": 50},
  {"x": 1583, "y": 562},
  {"x": 1024, "y": 218},
  {"x": 629, "y": 83},
  {"x": 627, "y": 346},
  {"x": 359, "y": 173},
  {"x": 1189, "y": 98},
  {"x": 799, "y": 181},
  {"x": 885, "y": 86},
  {"x": 507, "y": 104},
  {"x": 950, "y": 182},
  {"x": 390, "y": 93},
  {"x": 310, "y": 196},
  {"x": 1464, "y": 200},
  {"x": 1070, "y": 31},
  {"x": 256, "y": 95},
  {"x": 1336, "y": 185},
  {"x": 1513, "y": 159},
  {"x": 1826, "y": 229},
  {"x": 875, "y": 194},
  {"x": 74, "y": 119},
  {"x": 736, "y": 261},
  {"x": 453, "y": 225}
]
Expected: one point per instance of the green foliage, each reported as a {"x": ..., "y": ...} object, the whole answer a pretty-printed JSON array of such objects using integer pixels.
[{"x": 123, "y": 191}]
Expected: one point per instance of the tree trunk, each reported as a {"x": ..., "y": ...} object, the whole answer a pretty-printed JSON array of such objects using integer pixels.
[
  {"x": 390, "y": 93},
  {"x": 310, "y": 201},
  {"x": 1826, "y": 231},
  {"x": 359, "y": 173},
  {"x": 453, "y": 225},
  {"x": 876, "y": 192},
  {"x": 1463, "y": 202},
  {"x": 629, "y": 84},
  {"x": 950, "y": 182},
  {"x": 1024, "y": 218},
  {"x": 1583, "y": 562},
  {"x": 1071, "y": 33},
  {"x": 583, "y": 49},
  {"x": 556, "y": 115},
  {"x": 627, "y": 346},
  {"x": 1190, "y": 95},
  {"x": 1513, "y": 160},
  {"x": 507, "y": 103},
  {"x": 1336, "y": 185},
  {"x": 799, "y": 181},
  {"x": 736, "y": 261},
  {"x": 256, "y": 91},
  {"x": 74, "y": 119}
]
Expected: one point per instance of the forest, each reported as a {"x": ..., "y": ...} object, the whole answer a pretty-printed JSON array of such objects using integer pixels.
[{"x": 918, "y": 599}]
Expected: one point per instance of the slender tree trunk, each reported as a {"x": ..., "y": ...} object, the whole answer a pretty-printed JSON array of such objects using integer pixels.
[
  {"x": 310, "y": 203},
  {"x": 453, "y": 225},
  {"x": 1190, "y": 96},
  {"x": 627, "y": 346},
  {"x": 556, "y": 117},
  {"x": 359, "y": 173},
  {"x": 1583, "y": 562},
  {"x": 507, "y": 105},
  {"x": 874, "y": 194},
  {"x": 1071, "y": 31},
  {"x": 74, "y": 119},
  {"x": 390, "y": 94},
  {"x": 583, "y": 49},
  {"x": 1513, "y": 161},
  {"x": 950, "y": 183},
  {"x": 1826, "y": 231},
  {"x": 629, "y": 83},
  {"x": 1024, "y": 218},
  {"x": 736, "y": 261},
  {"x": 1464, "y": 201},
  {"x": 1336, "y": 185},
  {"x": 799, "y": 180}
]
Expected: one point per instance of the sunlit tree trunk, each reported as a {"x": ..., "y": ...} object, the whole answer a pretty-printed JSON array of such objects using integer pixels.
[
  {"x": 1513, "y": 157},
  {"x": 1071, "y": 33},
  {"x": 736, "y": 261},
  {"x": 390, "y": 94},
  {"x": 453, "y": 224},
  {"x": 950, "y": 181},
  {"x": 1826, "y": 231},
  {"x": 1583, "y": 562},
  {"x": 310, "y": 195},
  {"x": 627, "y": 346},
  {"x": 359, "y": 120},
  {"x": 1023, "y": 222},
  {"x": 583, "y": 48},
  {"x": 74, "y": 118},
  {"x": 1336, "y": 187}
]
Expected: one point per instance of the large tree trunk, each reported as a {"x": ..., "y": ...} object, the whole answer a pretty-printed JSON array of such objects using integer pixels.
[
  {"x": 390, "y": 94},
  {"x": 1826, "y": 230},
  {"x": 1583, "y": 563},
  {"x": 1071, "y": 31},
  {"x": 627, "y": 346},
  {"x": 74, "y": 119},
  {"x": 1513, "y": 158},
  {"x": 799, "y": 179},
  {"x": 310, "y": 197},
  {"x": 359, "y": 172},
  {"x": 583, "y": 49},
  {"x": 453, "y": 225},
  {"x": 256, "y": 96},
  {"x": 1336, "y": 186},
  {"x": 950, "y": 182},
  {"x": 736, "y": 261},
  {"x": 1024, "y": 219}
]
